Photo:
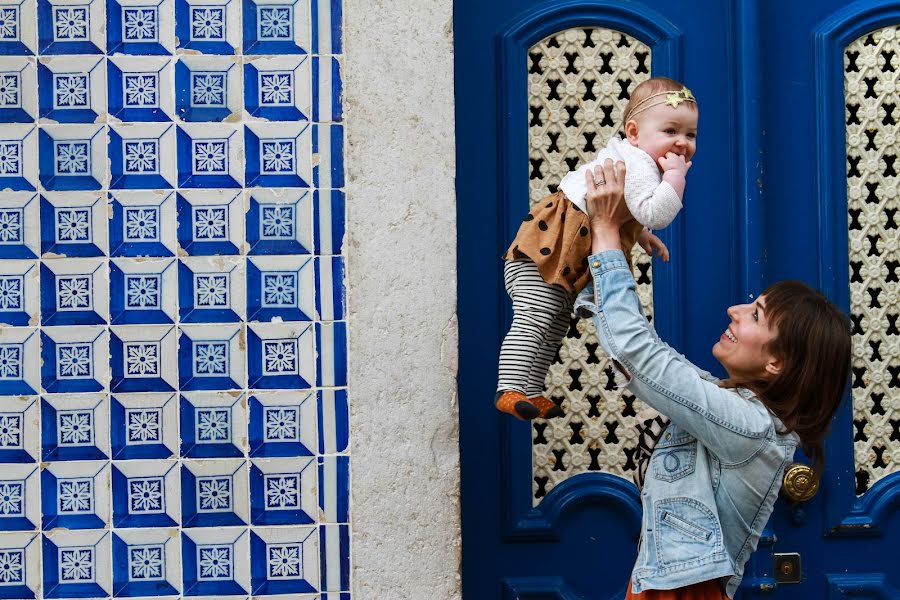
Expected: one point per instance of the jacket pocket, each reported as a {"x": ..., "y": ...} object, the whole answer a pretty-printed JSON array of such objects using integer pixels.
[
  {"x": 672, "y": 462},
  {"x": 686, "y": 527},
  {"x": 686, "y": 530}
]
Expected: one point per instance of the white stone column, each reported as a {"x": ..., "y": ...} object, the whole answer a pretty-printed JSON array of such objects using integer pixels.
[{"x": 398, "y": 86}]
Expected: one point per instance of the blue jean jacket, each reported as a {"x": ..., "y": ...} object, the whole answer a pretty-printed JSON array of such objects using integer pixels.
[{"x": 715, "y": 474}]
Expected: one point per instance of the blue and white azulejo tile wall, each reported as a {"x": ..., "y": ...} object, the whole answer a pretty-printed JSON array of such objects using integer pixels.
[{"x": 173, "y": 409}]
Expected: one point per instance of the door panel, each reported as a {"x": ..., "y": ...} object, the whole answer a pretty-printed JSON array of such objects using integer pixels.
[{"x": 554, "y": 549}]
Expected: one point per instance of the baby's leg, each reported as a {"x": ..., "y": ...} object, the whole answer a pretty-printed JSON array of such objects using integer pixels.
[
  {"x": 547, "y": 352},
  {"x": 536, "y": 310}
]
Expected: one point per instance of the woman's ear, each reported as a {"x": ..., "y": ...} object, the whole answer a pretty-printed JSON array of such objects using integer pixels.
[
  {"x": 773, "y": 367},
  {"x": 631, "y": 131}
]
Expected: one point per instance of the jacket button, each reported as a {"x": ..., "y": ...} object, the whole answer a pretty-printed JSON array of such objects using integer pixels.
[
  {"x": 595, "y": 264},
  {"x": 668, "y": 436}
]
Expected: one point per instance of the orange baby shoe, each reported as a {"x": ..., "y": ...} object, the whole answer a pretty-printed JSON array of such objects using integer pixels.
[
  {"x": 514, "y": 402},
  {"x": 548, "y": 408}
]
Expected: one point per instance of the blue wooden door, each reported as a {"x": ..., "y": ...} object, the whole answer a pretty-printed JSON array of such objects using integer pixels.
[{"x": 793, "y": 178}]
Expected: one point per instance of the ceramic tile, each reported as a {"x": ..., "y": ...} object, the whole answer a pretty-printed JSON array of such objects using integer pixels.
[
  {"x": 211, "y": 357},
  {"x": 144, "y": 426},
  {"x": 19, "y": 158},
  {"x": 207, "y": 88},
  {"x": 334, "y": 421},
  {"x": 146, "y": 562},
  {"x": 278, "y": 88},
  {"x": 74, "y": 427},
  {"x": 284, "y": 561},
  {"x": 279, "y": 221},
  {"x": 210, "y": 561},
  {"x": 327, "y": 90},
  {"x": 209, "y": 156},
  {"x": 331, "y": 366},
  {"x": 328, "y": 148},
  {"x": 73, "y": 157},
  {"x": 143, "y": 358},
  {"x": 18, "y": 88},
  {"x": 278, "y": 154},
  {"x": 283, "y": 491},
  {"x": 141, "y": 88},
  {"x": 146, "y": 493},
  {"x": 20, "y": 440},
  {"x": 215, "y": 493},
  {"x": 142, "y": 156},
  {"x": 76, "y": 563},
  {"x": 75, "y": 359},
  {"x": 213, "y": 425},
  {"x": 326, "y": 26},
  {"x": 277, "y": 27},
  {"x": 18, "y": 27},
  {"x": 208, "y": 26},
  {"x": 174, "y": 416},
  {"x": 19, "y": 367},
  {"x": 141, "y": 27},
  {"x": 281, "y": 289},
  {"x": 283, "y": 424},
  {"x": 334, "y": 482},
  {"x": 20, "y": 556},
  {"x": 19, "y": 292},
  {"x": 143, "y": 224},
  {"x": 329, "y": 288},
  {"x": 20, "y": 498},
  {"x": 329, "y": 215},
  {"x": 73, "y": 224},
  {"x": 143, "y": 291},
  {"x": 74, "y": 292},
  {"x": 211, "y": 290},
  {"x": 210, "y": 222},
  {"x": 71, "y": 26},
  {"x": 75, "y": 495},
  {"x": 281, "y": 356},
  {"x": 72, "y": 89},
  {"x": 335, "y": 561},
  {"x": 20, "y": 234}
]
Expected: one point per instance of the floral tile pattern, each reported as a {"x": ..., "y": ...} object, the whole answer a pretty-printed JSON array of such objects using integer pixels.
[{"x": 173, "y": 410}]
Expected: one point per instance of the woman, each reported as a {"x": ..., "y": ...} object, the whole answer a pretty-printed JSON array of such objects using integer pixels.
[{"x": 716, "y": 471}]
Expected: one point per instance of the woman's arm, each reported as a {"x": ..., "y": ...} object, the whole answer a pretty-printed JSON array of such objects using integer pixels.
[
  {"x": 585, "y": 300},
  {"x": 731, "y": 427}
]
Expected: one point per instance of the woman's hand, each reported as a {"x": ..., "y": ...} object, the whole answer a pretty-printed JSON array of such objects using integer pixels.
[{"x": 605, "y": 203}]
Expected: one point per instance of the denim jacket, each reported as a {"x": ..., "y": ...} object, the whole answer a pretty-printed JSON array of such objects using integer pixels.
[{"x": 715, "y": 474}]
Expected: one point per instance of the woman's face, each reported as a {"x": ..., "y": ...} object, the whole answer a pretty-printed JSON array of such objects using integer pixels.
[{"x": 742, "y": 348}]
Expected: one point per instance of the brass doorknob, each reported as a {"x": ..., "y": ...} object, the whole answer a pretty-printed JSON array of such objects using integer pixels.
[{"x": 800, "y": 483}]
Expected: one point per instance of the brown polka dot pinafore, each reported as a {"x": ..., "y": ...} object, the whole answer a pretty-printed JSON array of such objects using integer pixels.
[{"x": 556, "y": 236}]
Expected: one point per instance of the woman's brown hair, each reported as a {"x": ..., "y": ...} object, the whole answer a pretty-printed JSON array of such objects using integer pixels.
[{"x": 813, "y": 342}]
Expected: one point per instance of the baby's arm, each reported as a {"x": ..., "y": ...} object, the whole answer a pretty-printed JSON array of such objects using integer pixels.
[
  {"x": 655, "y": 203},
  {"x": 650, "y": 243},
  {"x": 674, "y": 171}
]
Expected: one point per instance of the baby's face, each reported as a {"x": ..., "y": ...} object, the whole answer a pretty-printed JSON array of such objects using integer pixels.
[{"x": 662, "y": 129}]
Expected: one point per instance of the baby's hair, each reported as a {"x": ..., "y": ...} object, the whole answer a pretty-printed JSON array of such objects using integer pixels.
[{"x": 645, "y": 89}]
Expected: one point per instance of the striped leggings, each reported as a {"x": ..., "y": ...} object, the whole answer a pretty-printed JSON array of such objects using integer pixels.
[{"x": 541, "y": 314}]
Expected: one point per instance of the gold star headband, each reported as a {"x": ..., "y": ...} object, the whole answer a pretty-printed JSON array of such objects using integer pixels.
[{"x": 673, "y": 99}]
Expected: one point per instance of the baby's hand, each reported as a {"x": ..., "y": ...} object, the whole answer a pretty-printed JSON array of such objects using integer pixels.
[
  {"x": 674, "y": 162},
  {"x": 650, "y": 242}
]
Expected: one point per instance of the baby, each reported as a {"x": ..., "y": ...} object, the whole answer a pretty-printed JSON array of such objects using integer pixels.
[{"x": 546, "y": 264}]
